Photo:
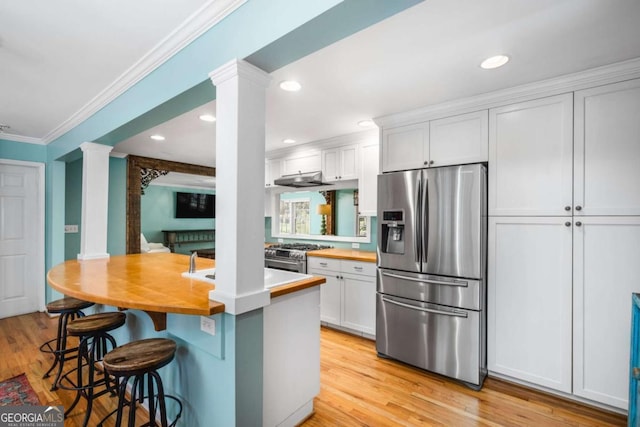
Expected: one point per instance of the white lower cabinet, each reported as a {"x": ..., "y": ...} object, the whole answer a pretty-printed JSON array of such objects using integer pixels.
[
  {"x": 559, "y": 302},
  {"x": 348, "y": 298},
  {"x": 606, "y": 273},
  {"x": 529, "y": 300}
]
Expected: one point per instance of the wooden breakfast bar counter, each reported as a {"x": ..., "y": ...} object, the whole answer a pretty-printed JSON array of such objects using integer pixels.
[{"x": 152, "y": 283}]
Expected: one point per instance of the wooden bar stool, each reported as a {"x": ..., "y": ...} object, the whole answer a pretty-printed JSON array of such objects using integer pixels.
[
  {"x": 69, "y": 309},
  {"x": 136, "y": 360},
  {"x": 95, "y": 342}
]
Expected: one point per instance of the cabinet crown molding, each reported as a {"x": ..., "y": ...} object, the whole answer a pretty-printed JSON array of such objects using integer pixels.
[{"x": 606, "y": 74}]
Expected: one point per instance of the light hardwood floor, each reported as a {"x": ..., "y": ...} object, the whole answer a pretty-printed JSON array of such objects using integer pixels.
[{"x": 357, "y": 388}]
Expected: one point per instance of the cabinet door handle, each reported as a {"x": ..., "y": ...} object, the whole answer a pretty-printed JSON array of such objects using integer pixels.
[
  {"x": 339, "y": 177},
  {"x": 578, "y": 208},
  {"x": 426, "y": 162},
  {"x": 578, "y": 223},
  {"x": 324, "y": 264},
  {"x": 567, "y": 208},
  {"x": 568, "y": 224},
  {"x": 357, "y": 268},
  {"x": 431, "y": 162}
]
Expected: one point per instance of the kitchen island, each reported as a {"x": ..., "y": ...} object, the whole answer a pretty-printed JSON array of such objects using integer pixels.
[{"x": 269, "y": 358}]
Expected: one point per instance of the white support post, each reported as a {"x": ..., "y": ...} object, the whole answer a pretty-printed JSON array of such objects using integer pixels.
[
  {"x": 95, "y": 200},
  {"x": 240, "y": 152}
]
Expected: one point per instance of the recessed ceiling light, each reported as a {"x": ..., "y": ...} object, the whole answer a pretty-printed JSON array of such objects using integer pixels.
[
  {"x": 289, "y": 141},
  {"x": 207, "y": 118},
  {"x": 157, "y": 137},
  {"x": 494, "y": 62},
  {"x": 365, "y": 123},
  {"x": 290, "y": 85}
]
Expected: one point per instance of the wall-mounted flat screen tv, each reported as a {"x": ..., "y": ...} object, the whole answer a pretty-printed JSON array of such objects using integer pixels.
[{"x": 195, "y": 205}]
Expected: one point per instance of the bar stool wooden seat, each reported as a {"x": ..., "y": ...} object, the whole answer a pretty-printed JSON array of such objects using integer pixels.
[
  {"x": 95, "y": 342},
  {"x": 69, "y": 309},
  {"x": 136, "y": 360}
]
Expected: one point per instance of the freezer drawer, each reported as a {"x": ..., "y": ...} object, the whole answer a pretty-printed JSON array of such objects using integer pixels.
[
  {"x": 440, "y": 339},
  {"x": 463, "y": 293}
]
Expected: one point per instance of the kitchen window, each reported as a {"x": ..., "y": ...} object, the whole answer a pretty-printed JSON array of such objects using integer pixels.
[{"x": 294, "y": 216}]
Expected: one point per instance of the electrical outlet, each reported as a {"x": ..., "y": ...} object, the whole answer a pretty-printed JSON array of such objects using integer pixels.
[
  {"x": 355, "y": 245},
  {"x": 208, "y": 325},
  {"x": 70, "y": 228}
]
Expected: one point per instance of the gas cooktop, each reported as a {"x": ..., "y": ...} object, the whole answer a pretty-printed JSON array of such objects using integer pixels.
[{"x": 299, "y": 246}]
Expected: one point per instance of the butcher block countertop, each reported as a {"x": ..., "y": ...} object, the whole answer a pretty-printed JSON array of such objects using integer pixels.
[
  {"x": 149, "y": 282},
  {"x": 351, "y": 254}
]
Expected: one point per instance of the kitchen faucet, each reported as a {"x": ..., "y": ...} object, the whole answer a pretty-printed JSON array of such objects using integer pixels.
[{"x": 192, "y": 262}]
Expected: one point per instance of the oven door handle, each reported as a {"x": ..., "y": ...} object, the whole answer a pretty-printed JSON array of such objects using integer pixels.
[
  {"x": 433, "y": 282},
  {"x": 270, "y": 263},
  {"x": 453, "y": 313}
]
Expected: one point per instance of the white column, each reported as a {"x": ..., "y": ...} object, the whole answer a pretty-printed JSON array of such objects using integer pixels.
[
  {"x": 95, "y": 200},
  {"x": 240, "y": 153}
]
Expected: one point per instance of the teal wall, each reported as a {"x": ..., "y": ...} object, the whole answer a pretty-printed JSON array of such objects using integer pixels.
[
  {"x": 73, "y": 207},
  {"x": 345, "y": 213},
  {"x": 117, "y": 215},
  {"x": 21, "y": 151},
  {"x": 371, "y": 246},
  {"x": 158, "y": 212}
]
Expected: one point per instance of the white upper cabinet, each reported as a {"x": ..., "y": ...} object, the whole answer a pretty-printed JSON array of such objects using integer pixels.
[
  {"x": 301, "y": 163},
  {"x": 405, "y": 147},
  {"x": 449, "y": 141},
  {"x": 529, "y": 300},
  {"x": 368, "y": 181},
  {"x": 607, "y": 150},
  {"x": 531, "y": 157},
  {"x": 340, "y": 163},
  {"x": 606, "y": 271},
  {"x": 459, "y": 139},
  {"x": 271, "y": 172}
]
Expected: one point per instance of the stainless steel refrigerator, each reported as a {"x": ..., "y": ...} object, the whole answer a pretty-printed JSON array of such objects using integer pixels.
[{"x": 431, "y": 293}]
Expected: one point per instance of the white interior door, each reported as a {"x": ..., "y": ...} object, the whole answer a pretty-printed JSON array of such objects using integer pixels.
[{"x": 21, "y": 238}]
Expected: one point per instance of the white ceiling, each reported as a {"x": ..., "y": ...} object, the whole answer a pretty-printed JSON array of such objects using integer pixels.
[
  {"x": 425, "y": 55},
  {"x": 58, "y": 56}
]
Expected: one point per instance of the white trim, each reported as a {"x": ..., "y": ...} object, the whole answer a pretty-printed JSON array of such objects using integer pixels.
[
  {"x": 238, "y": 304},
  {"x": 553, "y": 392},
  {"x": 20, "y": 138},
  {"x": 85, "y": 257},
  {"x": 620, "y": 71},
  {"x": 321, "y": 144},
  {"x": 39, "y": 265},
  {"x": 212, "y": 12},
  {"x": 239, "y": 68},
  {"x": 118, "y": 155}
]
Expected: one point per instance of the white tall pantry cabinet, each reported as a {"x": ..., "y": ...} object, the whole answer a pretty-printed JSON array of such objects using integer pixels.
[{"x": 564, "y": 240}]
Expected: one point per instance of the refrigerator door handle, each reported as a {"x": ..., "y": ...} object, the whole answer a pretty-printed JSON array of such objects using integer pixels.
[
  {"x": 431, "y": 281},
  {"x": 427, "y": 310},
  {"x": 424, "y": 219},
  {"x": 418, "y": 228}
]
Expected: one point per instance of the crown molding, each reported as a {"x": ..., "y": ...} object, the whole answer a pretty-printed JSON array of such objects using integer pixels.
[
  {"x": 606, "y": 74},
  {"x": 20, "y": 138},
  {"x": 321, "y": 144},
  {"x": 212, "y": 12}
]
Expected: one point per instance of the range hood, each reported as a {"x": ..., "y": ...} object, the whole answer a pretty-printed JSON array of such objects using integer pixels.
[{"x": 309, "y": 179}]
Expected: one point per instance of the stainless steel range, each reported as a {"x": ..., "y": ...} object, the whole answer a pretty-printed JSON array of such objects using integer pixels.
[{"x": 289, "y": 256}]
